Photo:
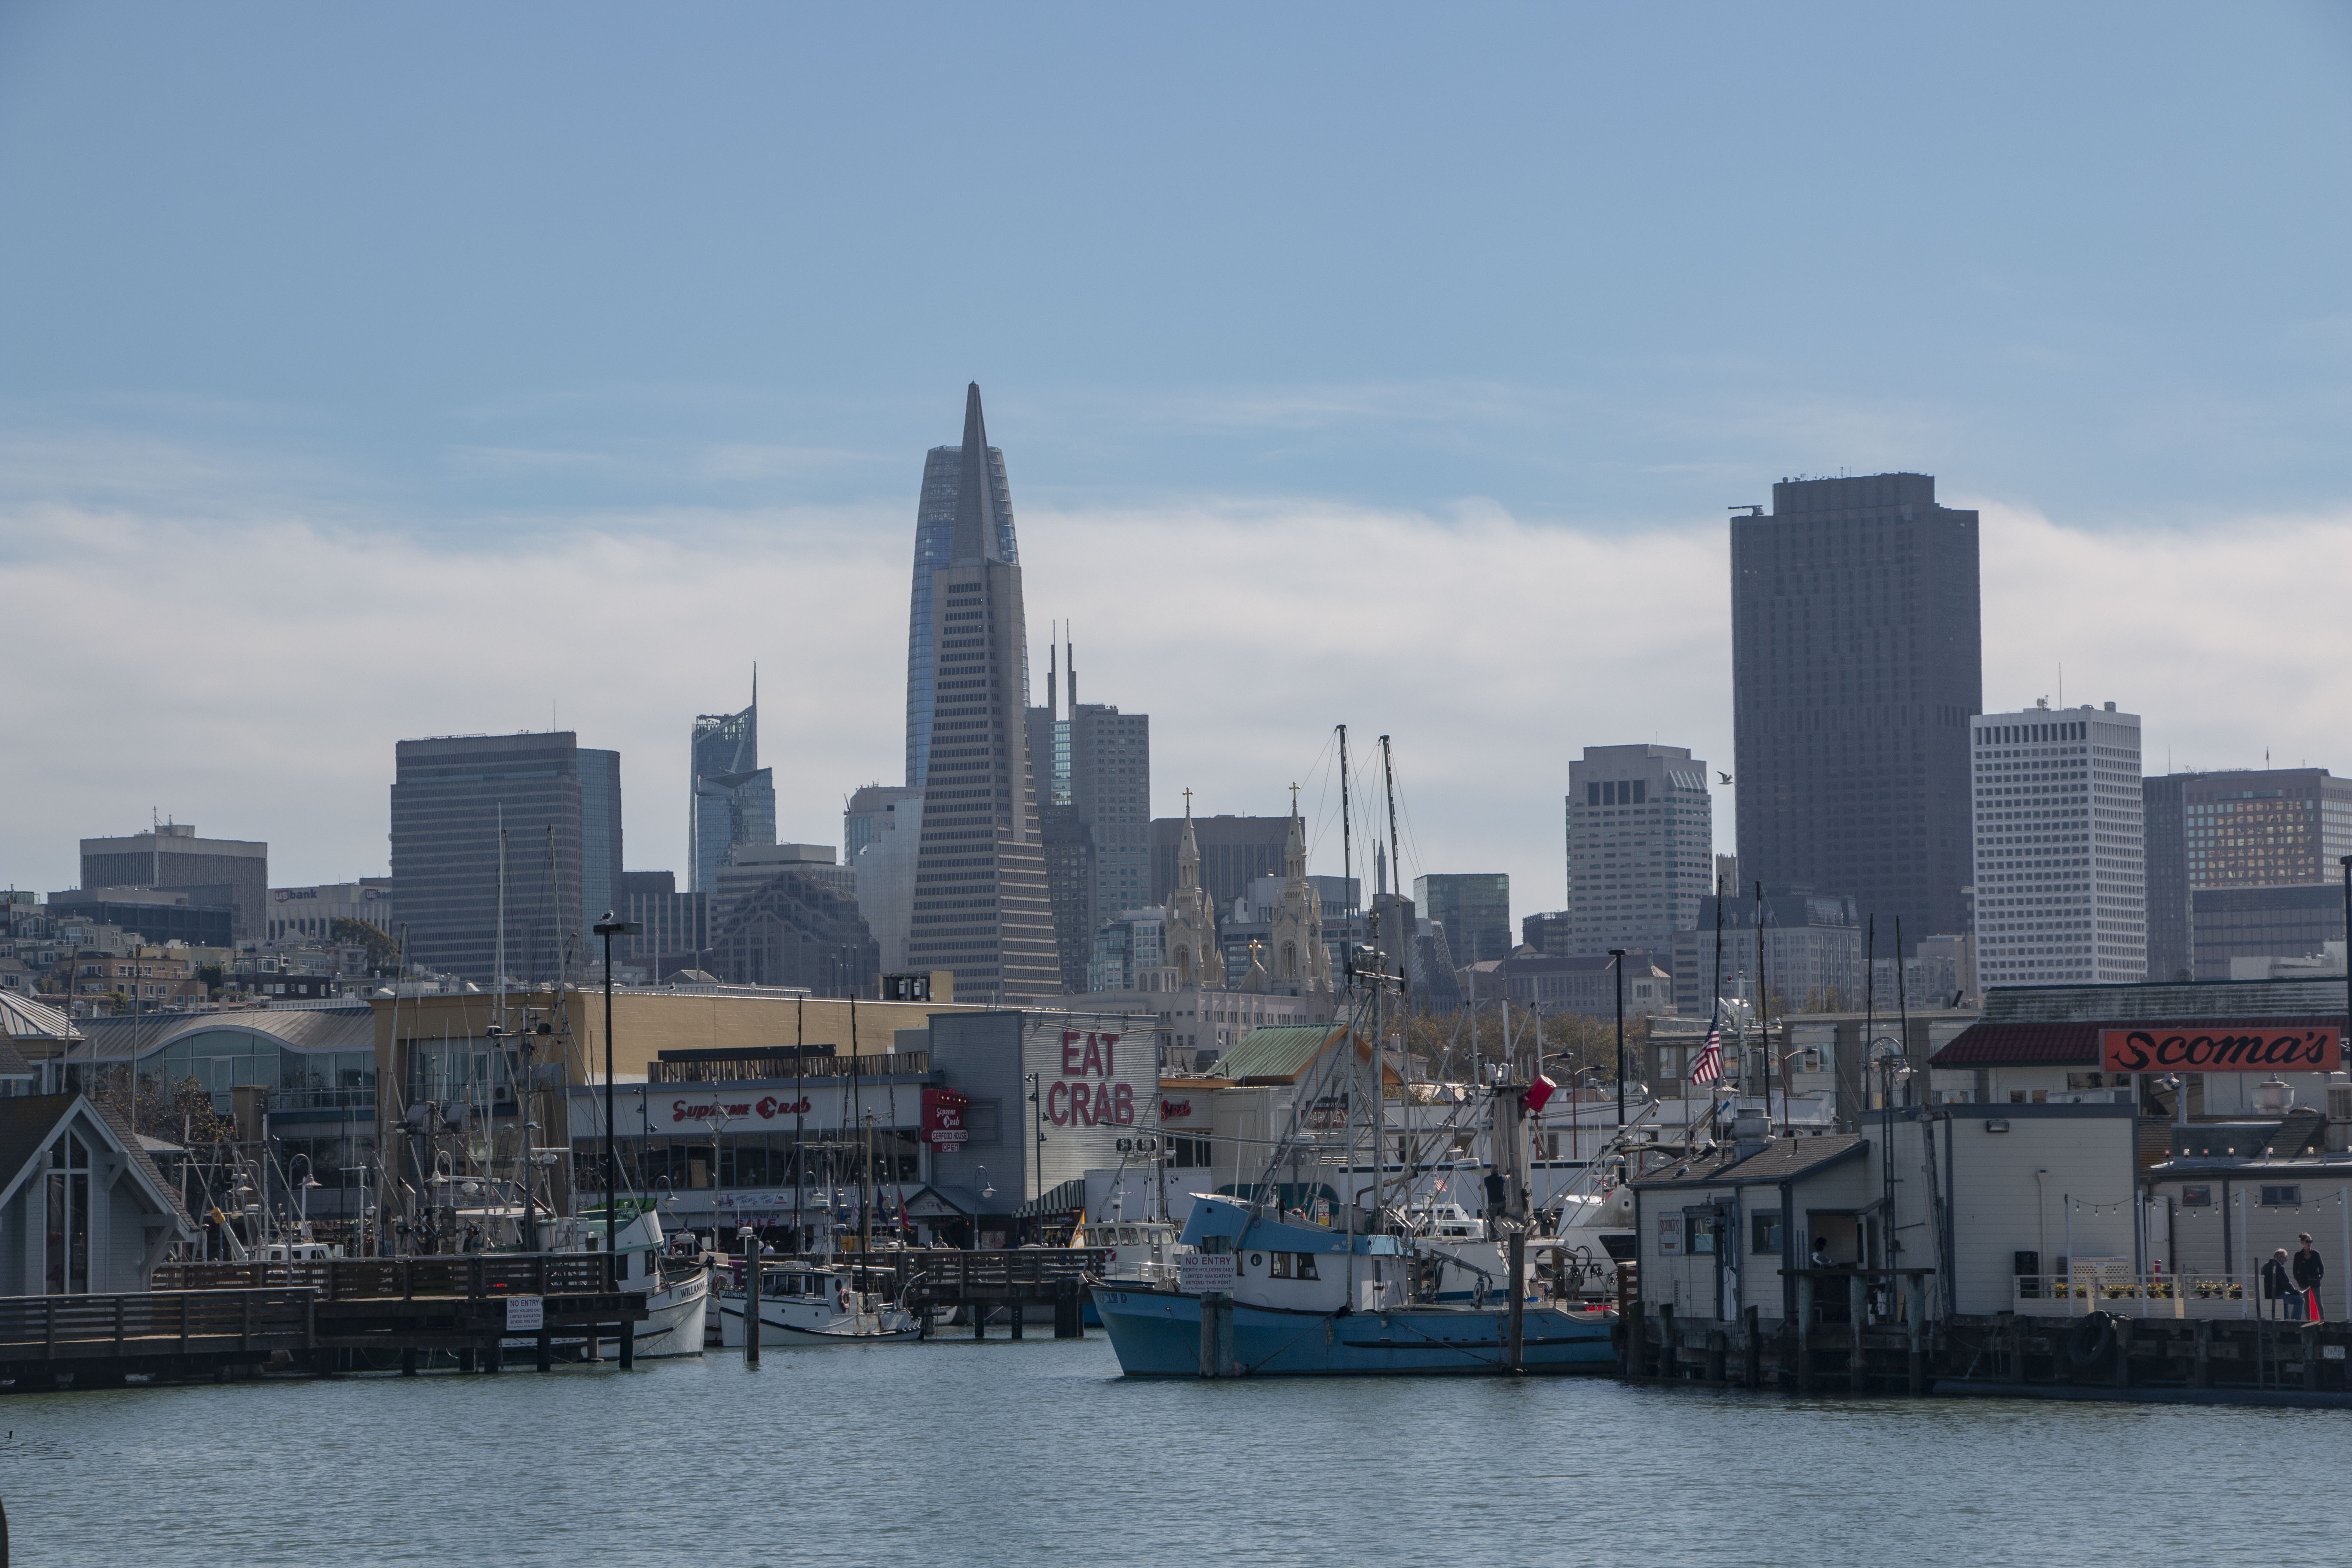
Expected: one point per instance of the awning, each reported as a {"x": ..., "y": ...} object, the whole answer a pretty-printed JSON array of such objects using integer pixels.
[
  {"x": 1070, "y": 1197},
  {"x": 945, "y": 1203}
]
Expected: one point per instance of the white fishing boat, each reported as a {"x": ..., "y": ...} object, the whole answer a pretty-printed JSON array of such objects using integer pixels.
[
  {"x": 809, "y": 1303},
  {"x": 676, "y": 1290}
]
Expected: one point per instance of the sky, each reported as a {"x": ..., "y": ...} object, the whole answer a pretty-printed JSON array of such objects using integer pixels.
[{"x": 368, "y": 372}]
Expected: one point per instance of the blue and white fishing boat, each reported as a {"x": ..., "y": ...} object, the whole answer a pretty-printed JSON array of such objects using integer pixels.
[{"x": 1306, "y": 1300}]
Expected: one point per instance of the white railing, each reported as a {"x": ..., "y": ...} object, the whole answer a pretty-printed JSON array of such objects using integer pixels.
[{"x": 2129, "y": 1295}]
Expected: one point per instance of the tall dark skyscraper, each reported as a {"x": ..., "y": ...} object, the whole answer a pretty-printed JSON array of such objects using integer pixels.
[
  {"x": 1856, "y": 663},
  {"x": 734, "y": 798},
  {"x": 449, "y": 798},
  {"x": 979, "y": 906}
]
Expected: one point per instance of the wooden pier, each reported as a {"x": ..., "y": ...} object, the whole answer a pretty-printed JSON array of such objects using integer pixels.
[
  {"x": 220, "y": 1321},
  {"x": 1869, "y": 1332}
]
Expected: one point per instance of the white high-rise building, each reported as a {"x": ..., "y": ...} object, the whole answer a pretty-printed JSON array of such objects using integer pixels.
[
  {"x": 2061, "y": 860},
  {"x": 1641, "y": 846}
]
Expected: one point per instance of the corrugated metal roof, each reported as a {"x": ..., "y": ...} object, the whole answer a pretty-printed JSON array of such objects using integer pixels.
[
  {"x": 311, "y": 1029},
  {"x": 2072, "y": 1043},
  {"x": 1781, "y": 1160},
  {"x": 2207, "y": 1002},
  {"x": 22, "y": 1018},
  {"x": 1276, "y": 1051}
]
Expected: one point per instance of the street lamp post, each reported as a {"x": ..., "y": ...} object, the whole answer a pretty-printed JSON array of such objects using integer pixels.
[
  {"x": 608, "y": 928},
  {"x": 1037, "y": 1122},
  {"x": 1617, "y": 966}
]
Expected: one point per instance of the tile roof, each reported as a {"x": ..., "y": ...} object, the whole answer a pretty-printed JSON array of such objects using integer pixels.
[{"x": 2075, "y": 1042}]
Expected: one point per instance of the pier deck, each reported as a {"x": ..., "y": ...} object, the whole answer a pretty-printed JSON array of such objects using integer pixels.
[{"x": 216, "y": 1320}]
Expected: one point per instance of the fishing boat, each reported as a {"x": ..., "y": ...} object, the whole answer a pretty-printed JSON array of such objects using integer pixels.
[
  {"x": 676, "y": 1290},
  {"x": 806, "y": 1303},
  {"x": 1306, "y": 1300}
]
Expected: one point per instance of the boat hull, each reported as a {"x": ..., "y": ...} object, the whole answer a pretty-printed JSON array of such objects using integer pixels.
[
  {"x": 1158, "y": 1334},
  {"x": 675, "y": 1323},
  {"x": 776, "y": 1335}
]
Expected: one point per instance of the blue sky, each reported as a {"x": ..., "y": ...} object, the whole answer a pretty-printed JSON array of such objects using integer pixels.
[{"x": 291, "y": 284}]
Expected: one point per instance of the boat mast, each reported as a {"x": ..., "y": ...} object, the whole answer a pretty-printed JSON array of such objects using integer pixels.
[
  {"x": 1404, "y": 940},
  {"x": 1348, "y": 1038}
]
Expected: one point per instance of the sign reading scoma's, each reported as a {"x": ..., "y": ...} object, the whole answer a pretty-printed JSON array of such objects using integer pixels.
[{"x": 2163, "y": 1049}]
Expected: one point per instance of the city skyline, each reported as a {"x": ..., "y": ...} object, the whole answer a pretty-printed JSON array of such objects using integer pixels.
[{"x": 435, "y": 471}]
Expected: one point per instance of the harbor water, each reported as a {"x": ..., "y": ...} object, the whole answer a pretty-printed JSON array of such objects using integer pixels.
[{"x": 952, "y": 1452}]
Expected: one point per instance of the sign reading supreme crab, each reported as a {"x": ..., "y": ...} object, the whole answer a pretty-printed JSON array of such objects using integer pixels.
[{"x": 1090, "y": 1092}]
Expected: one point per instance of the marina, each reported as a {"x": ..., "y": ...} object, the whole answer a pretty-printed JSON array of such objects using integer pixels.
[{"x": 1507, "y": 1470}]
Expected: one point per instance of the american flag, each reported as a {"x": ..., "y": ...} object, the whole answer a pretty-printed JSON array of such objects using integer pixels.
[{"x": 1708, "y": 1066}]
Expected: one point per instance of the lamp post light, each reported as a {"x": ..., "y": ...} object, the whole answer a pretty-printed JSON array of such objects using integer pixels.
[
  {"x": 1037, "y": 1122},
  {"x": 1887, "y": 1056},
  {"x": 1617, "y": 967},
  {"x": 608, "y": 928}
]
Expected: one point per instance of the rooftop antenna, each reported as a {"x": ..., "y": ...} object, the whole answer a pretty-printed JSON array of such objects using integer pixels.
[{"x": 1051, "y": 648}]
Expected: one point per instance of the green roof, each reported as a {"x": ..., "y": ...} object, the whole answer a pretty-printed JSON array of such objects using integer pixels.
[{"x": 1277, "y": 1051}]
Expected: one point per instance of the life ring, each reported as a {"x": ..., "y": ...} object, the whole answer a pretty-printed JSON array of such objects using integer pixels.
[
  {"x": 841, "y": 1298},
  {"x": 2092, "y": 1338}
]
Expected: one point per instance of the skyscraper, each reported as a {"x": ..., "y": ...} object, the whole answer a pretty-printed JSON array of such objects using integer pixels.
[
  {"x": 1475, "y": 907},
  {"x": 226, "y": 873},
  {"x": 1094, "y": 798},
  {"x": 2061, "y": 881},
  {"x": 450, "y": 796},
  {"x": 734, "y": 798},
  {"x": 2243, "y": 828},
  {"x": 1856, "y": 667},
  {"x": 980, "y": 907},
  {"x": 944, "y": 468},
  {"x": 1640, "y": 835}
]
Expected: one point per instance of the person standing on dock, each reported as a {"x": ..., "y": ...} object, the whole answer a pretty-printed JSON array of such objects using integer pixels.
[
  {"x": 2278, "y": 1283},
  {"x": 2308, "y": 1272}
]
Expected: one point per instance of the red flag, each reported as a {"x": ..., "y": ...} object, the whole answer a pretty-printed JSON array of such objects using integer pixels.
[{"x": 1534, "y": 1096}]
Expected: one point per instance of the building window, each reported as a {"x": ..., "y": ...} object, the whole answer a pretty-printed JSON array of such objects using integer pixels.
[
  {"x": 2282, "y": 1197},
  {"x": 1701, "y": 1230},
  {"x": 2196, "y": 1197},
  {"x": 1764, "y": 1231}
]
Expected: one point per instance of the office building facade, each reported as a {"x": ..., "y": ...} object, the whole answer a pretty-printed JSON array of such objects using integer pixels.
[
  {"x": 981, "y": 907},
  {"x": 2240, "y": 828},
  {"x": 1094, "y": 795},
  {"x": 1475, "y": 907},
  {"x": 1235, "y": 851},
  {"x": 2061, "y": 878},
  {"x": 451, "y": 795},
  {"x": 217, "y": 872},
  {"x": 1641, "y": 843},
  {"x": 2232, "y": 925},
  {"x": 1812, "y": 960},
  {"x": 1856, "y": 667}
]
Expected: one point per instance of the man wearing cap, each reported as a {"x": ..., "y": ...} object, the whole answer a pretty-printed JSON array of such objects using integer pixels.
[{"x": 2308, "y": 1272}]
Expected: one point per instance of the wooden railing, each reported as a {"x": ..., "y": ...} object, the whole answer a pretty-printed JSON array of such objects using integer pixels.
[
  {"x": 755, "y": 1068},
  {"x": 50, "y": 1327},
  {"x": 352, "y": 1279}
]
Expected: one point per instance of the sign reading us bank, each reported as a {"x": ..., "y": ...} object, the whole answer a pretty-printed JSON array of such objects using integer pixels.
[{"x": 2165, "y": 1048}]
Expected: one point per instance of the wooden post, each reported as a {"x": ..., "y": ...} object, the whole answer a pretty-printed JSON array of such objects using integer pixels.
[
  {"x": 2123, "y": 1349},
  {"x": 628, "y": 1335},
  {"x": 1515, "y": 1350},
  {"x": 2201, "y": 1375},
  {"x": 2310, "y": 1336},
  {"x": 1669, "y": 1345},
  {"x": 978, "y": 1310},
  {"x": 1717, "y": 1356},
  {"x": 1857, "y": 1296},
  {"x": 1216, "y": 1334},
  {"x": 1755, "y": 1369},
  {"x": 544, "y": 1359},
  {"x": 1805, "y": 1332},
  {"x": 1017, "y": 1307},
  {"x": 466, "y": 1359},
  {"x": 408, "y": 1361},
  {"x": 750, "y": 1305},
  {"x": 1915, "y": 1363}
]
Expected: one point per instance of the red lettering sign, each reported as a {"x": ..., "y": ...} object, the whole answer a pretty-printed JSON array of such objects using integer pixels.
[
  {"x": 1175, "y": 1110},
  {"x": 943, "y": 1111},
  {"x": 2170, "y": 1049},
  {"x": 1069, "y": 1064}
]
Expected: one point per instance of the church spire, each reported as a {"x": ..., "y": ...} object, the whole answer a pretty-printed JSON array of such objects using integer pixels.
[{"x": 1188, "y": 851}]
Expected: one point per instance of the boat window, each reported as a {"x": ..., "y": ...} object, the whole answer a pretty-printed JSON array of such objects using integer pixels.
[
  {"x": 1256, "y": 1261},
  {"x": 1281, "y": 1269},
  {"x": 1127, "y": 1235},
  {"x": 1306, "y": 1265}
]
